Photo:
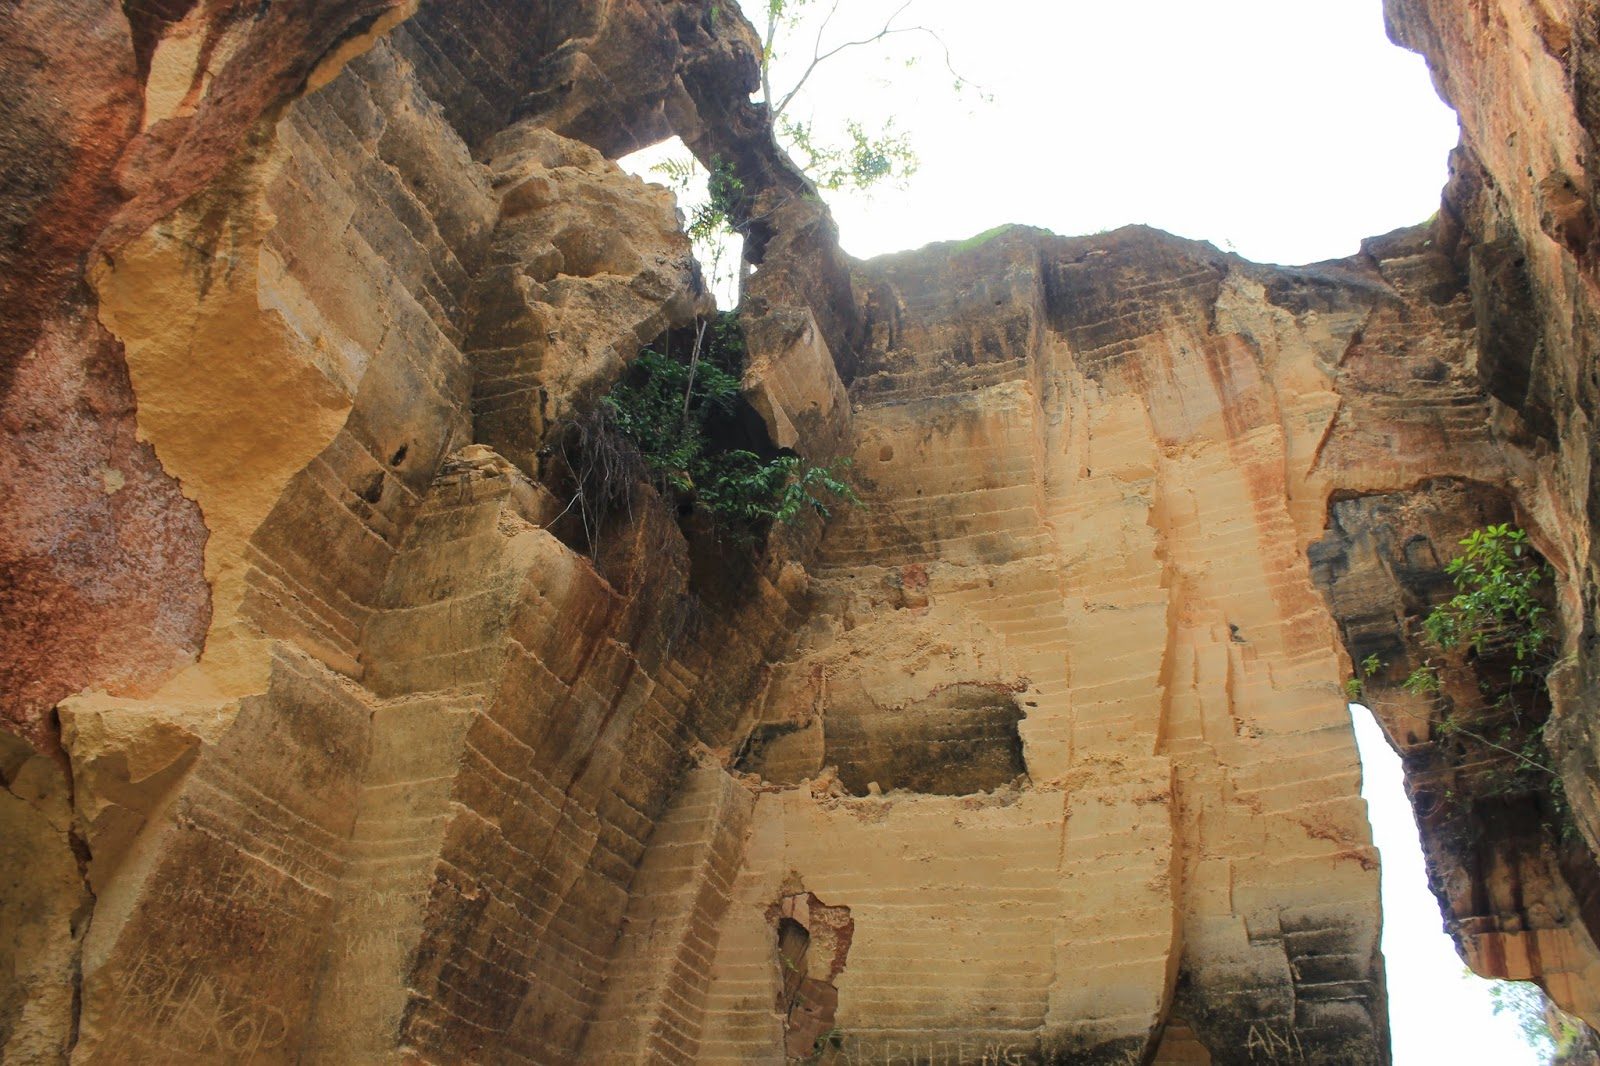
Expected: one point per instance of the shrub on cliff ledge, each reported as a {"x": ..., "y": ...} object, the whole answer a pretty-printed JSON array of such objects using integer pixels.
[
  {"x": 1497, "y": 598},
  {"x": 1498, "y": 616},
  {"x": 1498, "y": 606},
  {"x": 673, "y": 421}
]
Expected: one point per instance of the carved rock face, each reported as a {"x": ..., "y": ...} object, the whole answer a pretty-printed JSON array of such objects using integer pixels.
[
  {"x": 1039, "y": 754},
  {"x": 1089, "y": 509}
]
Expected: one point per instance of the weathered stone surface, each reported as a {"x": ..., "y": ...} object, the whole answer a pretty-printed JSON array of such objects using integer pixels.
[
  {"x": 1513, "y": 879},
  {"x": 586, "y": 267},
  {"x": 1517, "y": 228},
  {"x": 324, "y": 744},
  {"x": 792, "y": 381},
  {"x": 100, "y": 553},
  {"x": 1086, "y": 504},
  {"x": 43, "y": 905}
]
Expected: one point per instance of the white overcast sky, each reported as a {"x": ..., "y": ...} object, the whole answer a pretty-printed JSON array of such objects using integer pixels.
[
  {"x": 1288, "y": 128},
  {"x": 1285, "y": 130},
  {"x": 1438, "y": 1013}
]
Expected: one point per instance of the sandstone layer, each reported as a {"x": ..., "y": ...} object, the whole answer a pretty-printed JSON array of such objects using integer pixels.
[{"x": 331, "y": 735}]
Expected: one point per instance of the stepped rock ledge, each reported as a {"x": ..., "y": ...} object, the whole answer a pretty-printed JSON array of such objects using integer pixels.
[{"x": 326, "y": 739}]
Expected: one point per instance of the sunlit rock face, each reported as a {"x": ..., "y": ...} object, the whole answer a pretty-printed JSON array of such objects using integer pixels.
[
  {"x": 1091, "y": 468},
  {"x": 333, "y": 736},
  {"x": 1510, "y": 845}
]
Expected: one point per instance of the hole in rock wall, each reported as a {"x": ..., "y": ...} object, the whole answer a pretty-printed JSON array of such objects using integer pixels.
[
  {"x": 956, "y": 741},
  {"x": 959, "y": 740},
  {"x": 782, "y": 753},
  {"x": 813, "y": 941},
  {"x": 720, "y": 251},
  {"x": 793, "y": 942}
]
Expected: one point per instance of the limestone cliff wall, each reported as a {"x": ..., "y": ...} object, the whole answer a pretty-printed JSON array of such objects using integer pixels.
[
  {"x": 332, "y": 736},
  {"x": 1079, "y": 510},
  {"x": 1513, "y": 867},
  {"x": 319, "y": 331}
]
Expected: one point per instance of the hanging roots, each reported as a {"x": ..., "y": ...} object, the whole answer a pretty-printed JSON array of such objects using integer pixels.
[{"x": 605, "y": 466}]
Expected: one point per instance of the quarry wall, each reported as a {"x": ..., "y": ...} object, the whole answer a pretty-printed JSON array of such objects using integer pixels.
[{"x": 332, "y": 736}]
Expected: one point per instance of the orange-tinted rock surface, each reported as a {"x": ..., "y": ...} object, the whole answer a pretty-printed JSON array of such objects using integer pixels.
[{"x": 331, "y": 736}]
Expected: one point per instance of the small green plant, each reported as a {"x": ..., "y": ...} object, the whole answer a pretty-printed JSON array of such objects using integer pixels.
[
  {"x": 833, "y": 1038},
  {"x": 711, "y": 223},
  {"x": 1355, "y": 687},
  {"x": 1498, "y": 614},
  {"x": 1423, "y": 681},
  {"x": 715, "y": 217},
  {"x": 1497, "y": 602},
  {"x": 662, "y": 422},
  {"x": 1498, "y": 606},
  {"x": 742, "y": 488}
]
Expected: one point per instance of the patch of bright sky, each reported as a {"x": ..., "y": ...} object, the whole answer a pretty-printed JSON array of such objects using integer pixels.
[
  {"x": 1286, "y": 130},
  {"x": 1437, "y": 1011}
]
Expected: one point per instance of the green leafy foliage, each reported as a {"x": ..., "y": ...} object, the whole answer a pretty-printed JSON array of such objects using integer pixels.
[
  {"x": 1497, "y": 602},
  {"x": 1423, "y": 681},
  {"x": 799, "y": 38},
  {"x": 664, "y": 410},
  {"x": 1498, "y": 612},
  {"x": 1525, "y": 1005},
  {"x": 741, "y": 488},
  {"x": 862, "y": 161},
  {"x": 1552, "y": 1034},
  {"x": 711, "y": 220},
  {"x": 1355, "y": 687},
  {"x": 715, "y": 217},
  {"x": 1498, "y": 607}
]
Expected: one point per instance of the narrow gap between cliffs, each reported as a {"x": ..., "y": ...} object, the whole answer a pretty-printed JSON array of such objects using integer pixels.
[{"x": 1438, "y": 1010}]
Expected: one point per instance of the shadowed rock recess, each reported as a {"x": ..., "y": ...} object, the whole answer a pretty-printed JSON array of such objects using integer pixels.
[{"x": 329, "y": 738}]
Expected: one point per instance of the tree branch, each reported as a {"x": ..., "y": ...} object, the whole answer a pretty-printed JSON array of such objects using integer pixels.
[
  {"x": 816, "y": 46},
  {"x": 766, "y": 50},
  {"x": 819, "y": 57},
  {"x": 1480, "y": 738},
  {"x": 694, "y": 364}
]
